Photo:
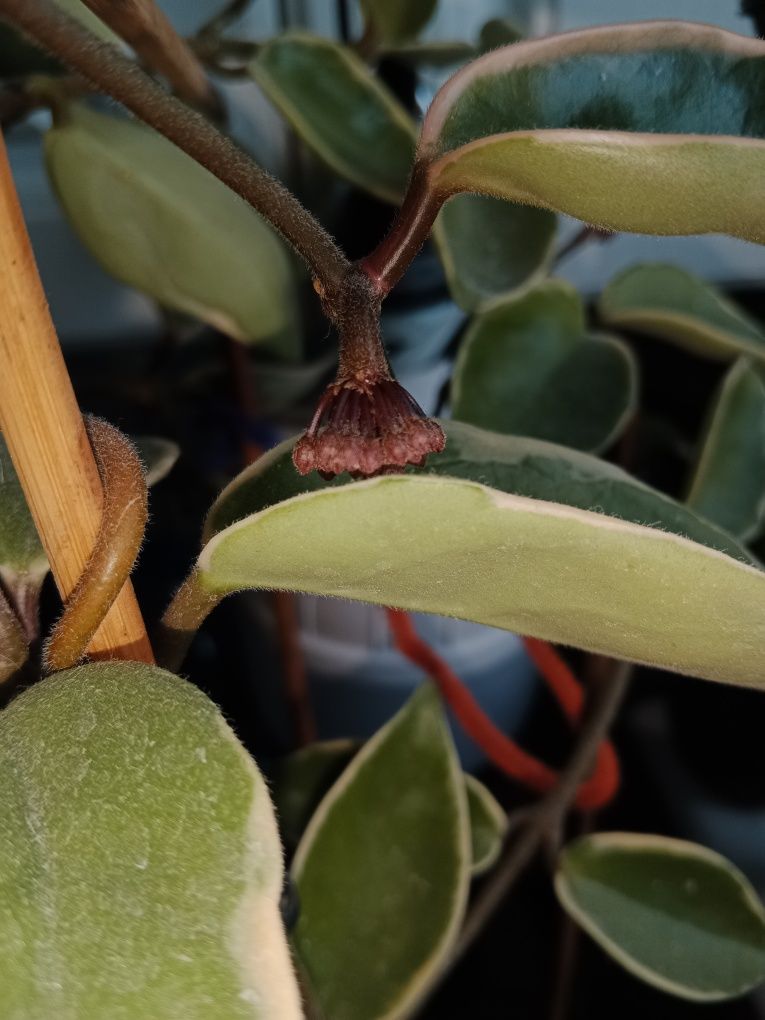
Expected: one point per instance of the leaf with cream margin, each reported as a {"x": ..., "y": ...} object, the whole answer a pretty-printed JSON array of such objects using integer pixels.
[
  {"x": 674, "y": 914},
  {"x": 653, "y": 127},
  {"x": 360, "y": 130},
  {"x": 669, "y": 303},
  {"x": 383, "y": 870},
  {"x": 398, "y": 20},
  {"x": 729, "y": 484},
  {"x": 508, "y": 532},
  {"x": 161, "y": 223},
  {"x": 340, "y": 110},
  {"x": 301, "y": 779},
  {"x": 528, "y": 366},
  {"x": 140, "y": 865}
]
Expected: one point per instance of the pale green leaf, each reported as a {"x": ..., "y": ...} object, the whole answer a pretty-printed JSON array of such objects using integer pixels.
[
  {"x": 301, "y": 780},
  {"x": 654, "y": 127},
  {"x": 528, "y": 366},
  {"x": 509, "y": 532},
  {"x": 398, "y": 20},
  {"x": 383, "y": 870},
  {"x": 675, "y": 914},
  {"x": 488, "y": 826},
  {"x": 338, "y": 108},
  {"x": 160, "y": 222},
  {"x": 672, "y": 304},
  {"x": 729, "y": 484},
  {"x": 20, "y": 550},
  {"x": 490, "y": 247},
  {"x": 140, "y": 866}
]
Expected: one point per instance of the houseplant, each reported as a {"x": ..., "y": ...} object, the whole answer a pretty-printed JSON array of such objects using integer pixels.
[{"x": 142, "y": 867}]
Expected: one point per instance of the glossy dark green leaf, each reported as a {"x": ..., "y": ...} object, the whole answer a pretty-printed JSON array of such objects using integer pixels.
[
  {"x": 729, "y": 484},
  {"x": 340, "y": 110},
  {"x": 160, "y": 222},
  {"x": 653, "y": 127},
  {"x": 398, "y": 20},
  {"x": 491, "y": 247},
  {"x": 675, "y": 914},
  {"x": 301, "y": 780},
  {"x": 383, "y": 870},
  {"x": 527, "y": 366},
  {"x": 672, "y": 304},
  {"x": 140, "y": 866},
  {"x": 503, "y": 530}
]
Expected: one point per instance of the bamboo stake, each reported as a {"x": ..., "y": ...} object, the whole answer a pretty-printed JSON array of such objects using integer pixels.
[{"x": 43, "y": 428}]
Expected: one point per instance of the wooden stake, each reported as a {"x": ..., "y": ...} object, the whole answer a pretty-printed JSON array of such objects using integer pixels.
[{"x": 43, "y": 428}]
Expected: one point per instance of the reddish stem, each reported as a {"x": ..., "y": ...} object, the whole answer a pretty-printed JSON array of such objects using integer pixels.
[{"x": 595, "y": 793}]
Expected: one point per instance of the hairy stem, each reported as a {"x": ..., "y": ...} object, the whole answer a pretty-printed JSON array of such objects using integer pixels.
[
  {"x": 123, "y": 520},
  {"x": 149, "y": 32},
  {"x": 111, "y": 72},
  {"x": 189, "y": 608}
]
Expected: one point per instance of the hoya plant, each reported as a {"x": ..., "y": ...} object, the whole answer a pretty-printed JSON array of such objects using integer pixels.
[{"x": 147, "y": 867}]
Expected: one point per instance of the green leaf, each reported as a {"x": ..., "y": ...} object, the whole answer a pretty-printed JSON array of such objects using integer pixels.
[
  {"x": 140, "y": 866},
  {"x": 340, "y": 110},
  {"x": 498, "y": 32},
  {"x": 20, "y": 550},
  {"x": 398, "y": 20},
  {"x": 383, "y": 870},
  {"x": 488, "y": 826},
  {"x": 672, "y": 304},
  {"x": 528, "y": 366},
  {"x": 509, "y": 532},
  {"x": 490, "y": 247},
  {"x": 301, "y": 780},
  {"x": 160, "y": 222},
  {"x": 729, "y": 485},
  {"x": 655, "y": 127},
  {"x": 158, "y": 456},
  {"x": 675, "y": 914},
  {"x": 432, "y": 53}
]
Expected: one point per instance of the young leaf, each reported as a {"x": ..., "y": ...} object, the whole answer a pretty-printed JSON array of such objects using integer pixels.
[
  {"x": 340, "y": 110},
  {"x": 488, "y": 826},
  {"x": 383, "y": 869},
  {"x": 301, "y": 780},
  {"x": 140, "y": 864},
  {"x": 655, "y": 127},
  {"x": 558, "y": 547},
  {"x": 675, "y": 914},
  {"x": 528, "y": 366},
  {"x": 159, "y": 222},
  {"x": 398, "y": 20},
  {"x": 729, "y": 484},
  {"x": 672, "y": 304},
  {"x": 490, "y": 247}
]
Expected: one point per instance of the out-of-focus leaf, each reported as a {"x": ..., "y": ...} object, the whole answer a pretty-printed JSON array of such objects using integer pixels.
[
  {"x": 383, "y": 870},
  {"x": 672, "y": 304},
  {"x": 340, "y": 110},
  {"x": 675, "y": 914},
  {"x": 729, "y": 484},
  {"x": 435, "y": 53},
  {"x": 488, "y": 826},
  {"x": 158, "y": 455},
  {"x": 498, "y": 32},
  {"x": 654, "y": 127},
  {"x": 160, "y": 222},
  {"x": 398, "y": 20},
  {"x": 20, "y": 548},
  {"x": 527, "y": 366},
  {"x": 490, "y": 247},
  {"x": 512, "y": 555},
  {"x": 140, "y": 863}
]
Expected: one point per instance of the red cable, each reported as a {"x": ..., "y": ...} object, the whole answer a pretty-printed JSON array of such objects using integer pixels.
[{"x": 594, "y": 793}]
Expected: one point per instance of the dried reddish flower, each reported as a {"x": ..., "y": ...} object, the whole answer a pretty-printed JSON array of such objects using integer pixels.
[{"x": 366, "y": 427}]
